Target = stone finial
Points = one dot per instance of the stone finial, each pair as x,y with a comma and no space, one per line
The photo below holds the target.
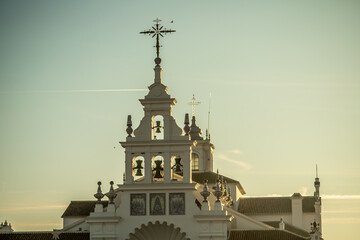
217,193
129,129
111,194
225,193
281,224
186,127
205,193
195,131
99,195
222,183
229,200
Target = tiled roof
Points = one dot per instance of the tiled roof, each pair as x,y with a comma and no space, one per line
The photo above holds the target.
290,228
81,208
264,235
44,236
273,205
211,177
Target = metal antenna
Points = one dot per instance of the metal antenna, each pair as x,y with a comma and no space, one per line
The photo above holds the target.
316,171
208,129
193,103
157,31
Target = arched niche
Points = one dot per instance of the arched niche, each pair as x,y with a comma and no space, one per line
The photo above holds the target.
195,161
157,165
157,127
177,168
138,166
158,231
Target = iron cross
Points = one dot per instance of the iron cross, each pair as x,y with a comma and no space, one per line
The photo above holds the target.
157,31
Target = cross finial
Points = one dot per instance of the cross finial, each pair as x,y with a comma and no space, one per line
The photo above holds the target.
157,31
157,20
193,103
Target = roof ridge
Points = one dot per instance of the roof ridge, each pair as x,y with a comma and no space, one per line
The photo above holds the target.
36,232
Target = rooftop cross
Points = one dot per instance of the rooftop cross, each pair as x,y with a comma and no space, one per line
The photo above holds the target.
193,103
157,31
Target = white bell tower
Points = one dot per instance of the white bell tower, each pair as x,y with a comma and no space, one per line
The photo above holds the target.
157,151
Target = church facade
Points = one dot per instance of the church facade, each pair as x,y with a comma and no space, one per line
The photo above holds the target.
170,190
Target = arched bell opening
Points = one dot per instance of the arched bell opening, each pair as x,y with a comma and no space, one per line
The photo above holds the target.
195,161
158,231
157,165
176,168
157,127
138,166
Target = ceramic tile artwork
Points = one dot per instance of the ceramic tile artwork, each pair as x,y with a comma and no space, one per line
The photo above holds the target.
157,203
177,203
138,204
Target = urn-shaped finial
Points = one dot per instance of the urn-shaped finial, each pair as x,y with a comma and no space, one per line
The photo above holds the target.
205,193
129,129
186,122
99,195
217,193
111,194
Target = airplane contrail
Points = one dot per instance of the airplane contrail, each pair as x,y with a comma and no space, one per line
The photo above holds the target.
80,91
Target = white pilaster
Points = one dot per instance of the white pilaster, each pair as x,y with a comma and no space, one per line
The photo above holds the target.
128,168
296,210
148,168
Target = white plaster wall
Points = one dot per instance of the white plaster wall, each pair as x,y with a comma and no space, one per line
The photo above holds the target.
84,227
69,220
187,223
307,219
244,224
297,212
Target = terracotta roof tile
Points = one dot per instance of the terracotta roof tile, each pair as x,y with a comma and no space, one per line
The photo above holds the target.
273,205
290,228
81,208
263,235
44,236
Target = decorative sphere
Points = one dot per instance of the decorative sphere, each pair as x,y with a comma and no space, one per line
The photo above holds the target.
157,60
99,183
111,182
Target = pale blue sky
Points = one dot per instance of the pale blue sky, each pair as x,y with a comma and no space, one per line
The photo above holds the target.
284,79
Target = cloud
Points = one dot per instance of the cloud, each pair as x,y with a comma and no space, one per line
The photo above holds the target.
303,191
236,151
38,224
340,220
341,211
268,195
244,165
325,196
46,207
277,83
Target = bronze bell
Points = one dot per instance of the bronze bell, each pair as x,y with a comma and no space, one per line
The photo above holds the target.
158,127
158,169
138,168
177,165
